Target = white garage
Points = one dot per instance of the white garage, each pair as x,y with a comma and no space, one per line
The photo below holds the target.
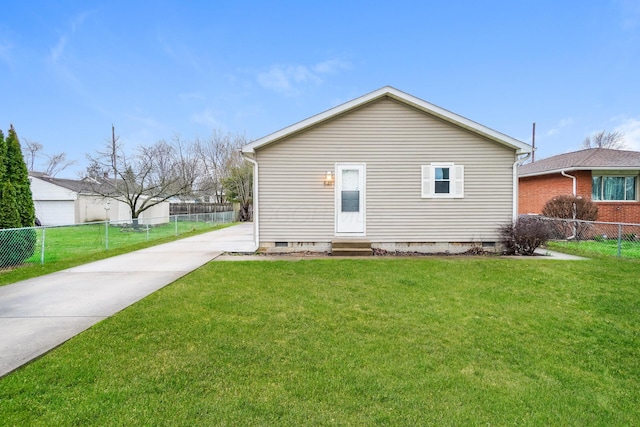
65,201
55,212
55,205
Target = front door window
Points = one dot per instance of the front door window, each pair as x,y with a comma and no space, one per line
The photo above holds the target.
349,195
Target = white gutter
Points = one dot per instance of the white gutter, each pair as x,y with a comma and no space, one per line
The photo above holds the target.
517,163
574,181
580,168
256,217
574,205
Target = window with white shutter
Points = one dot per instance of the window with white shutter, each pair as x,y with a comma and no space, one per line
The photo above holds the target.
443,180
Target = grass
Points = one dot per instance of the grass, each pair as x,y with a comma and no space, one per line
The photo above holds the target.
67,247
459,341
606,248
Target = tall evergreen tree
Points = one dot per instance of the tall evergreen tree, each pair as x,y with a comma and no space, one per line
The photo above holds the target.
9,215
16,204
16,244
17,174
5,205
3,154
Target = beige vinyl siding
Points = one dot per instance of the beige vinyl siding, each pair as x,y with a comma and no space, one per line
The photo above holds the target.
394,141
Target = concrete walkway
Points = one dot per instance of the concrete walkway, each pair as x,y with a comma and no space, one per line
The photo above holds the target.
547,254
39,314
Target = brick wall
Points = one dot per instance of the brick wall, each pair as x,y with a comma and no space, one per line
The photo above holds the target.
619,212
535,191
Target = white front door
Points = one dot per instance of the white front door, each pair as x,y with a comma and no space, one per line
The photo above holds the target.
350,198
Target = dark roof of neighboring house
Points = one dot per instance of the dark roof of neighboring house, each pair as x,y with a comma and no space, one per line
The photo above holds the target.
77,185
589,159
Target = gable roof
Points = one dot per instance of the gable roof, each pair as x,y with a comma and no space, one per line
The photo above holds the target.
591,158
76,185
390,92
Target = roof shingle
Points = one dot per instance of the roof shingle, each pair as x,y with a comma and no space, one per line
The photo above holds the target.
592,158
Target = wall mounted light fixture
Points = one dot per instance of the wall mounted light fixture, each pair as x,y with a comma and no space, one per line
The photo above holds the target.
329,179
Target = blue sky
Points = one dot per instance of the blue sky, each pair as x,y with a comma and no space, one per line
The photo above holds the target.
71,69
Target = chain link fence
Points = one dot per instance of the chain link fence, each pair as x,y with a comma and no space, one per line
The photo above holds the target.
41,245
603,238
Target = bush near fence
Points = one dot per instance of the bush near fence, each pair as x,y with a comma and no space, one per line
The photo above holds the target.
50,244
16,245
603,238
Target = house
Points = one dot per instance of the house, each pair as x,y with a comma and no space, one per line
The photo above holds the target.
388,169
66,201
607,177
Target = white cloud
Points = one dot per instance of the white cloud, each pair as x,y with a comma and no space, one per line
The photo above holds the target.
291,79
58,49
5,49
285,79
331,66
630,127
563,123
191,95
630,11
78,20
178,53
208,118
146,121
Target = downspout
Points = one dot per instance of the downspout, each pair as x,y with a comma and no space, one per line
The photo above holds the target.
256,217
574,179
517,163
574,182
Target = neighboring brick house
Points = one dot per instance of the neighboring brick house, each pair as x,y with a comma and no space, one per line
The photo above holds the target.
607,177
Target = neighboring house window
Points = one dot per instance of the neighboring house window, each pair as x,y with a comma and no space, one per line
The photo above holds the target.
617,188
443,180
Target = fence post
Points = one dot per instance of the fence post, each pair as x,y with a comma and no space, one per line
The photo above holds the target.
147,232
619,240
42,247
176,221
106,234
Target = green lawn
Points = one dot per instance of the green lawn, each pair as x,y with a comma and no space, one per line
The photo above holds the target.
66,242
599,248
428,341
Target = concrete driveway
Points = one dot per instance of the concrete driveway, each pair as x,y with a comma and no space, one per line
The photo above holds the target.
39,314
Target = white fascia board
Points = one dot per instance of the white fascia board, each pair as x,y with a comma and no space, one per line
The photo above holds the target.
519,146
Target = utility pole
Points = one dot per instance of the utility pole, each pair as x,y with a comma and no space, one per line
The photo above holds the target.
114,155
533,143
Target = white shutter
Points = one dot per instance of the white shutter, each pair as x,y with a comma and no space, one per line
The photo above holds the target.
458,182
427,186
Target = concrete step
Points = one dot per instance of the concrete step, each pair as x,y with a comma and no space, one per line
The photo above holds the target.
351,247
350,243
352,252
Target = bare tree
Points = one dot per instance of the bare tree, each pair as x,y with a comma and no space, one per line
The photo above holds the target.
54,164
31,150
57,163
604,139
217,155
238,186
144,178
